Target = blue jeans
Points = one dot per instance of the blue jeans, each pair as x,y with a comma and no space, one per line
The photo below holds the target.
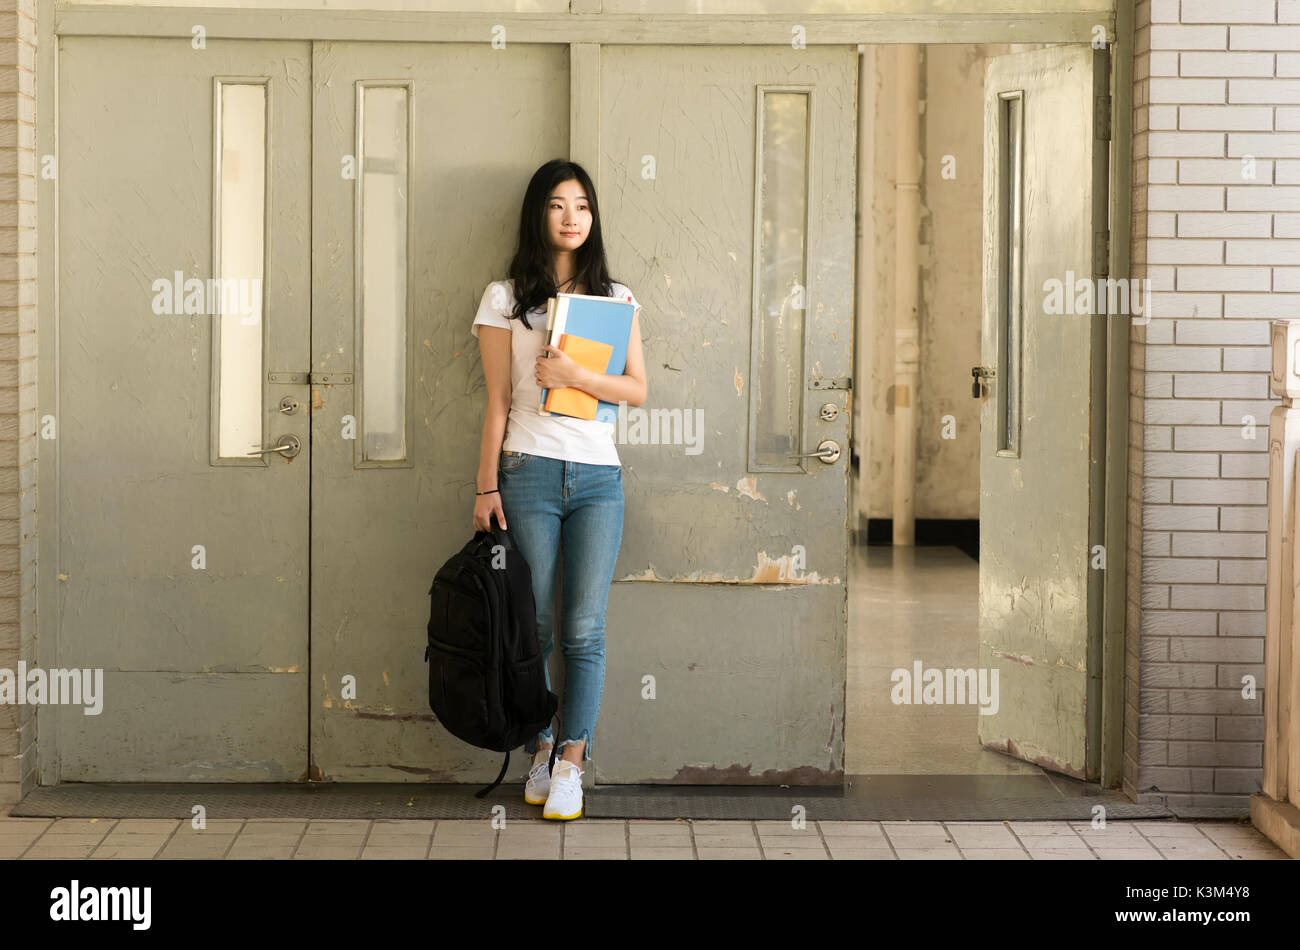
546,500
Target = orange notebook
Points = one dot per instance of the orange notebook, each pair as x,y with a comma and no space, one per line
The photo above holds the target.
590,354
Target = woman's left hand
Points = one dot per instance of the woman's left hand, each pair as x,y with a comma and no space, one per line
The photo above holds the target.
558,371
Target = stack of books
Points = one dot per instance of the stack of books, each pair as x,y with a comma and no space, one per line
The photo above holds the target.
594,333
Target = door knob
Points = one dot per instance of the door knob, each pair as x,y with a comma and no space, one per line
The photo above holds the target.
289,447
828,450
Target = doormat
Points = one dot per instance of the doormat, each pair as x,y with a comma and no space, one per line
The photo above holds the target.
915,798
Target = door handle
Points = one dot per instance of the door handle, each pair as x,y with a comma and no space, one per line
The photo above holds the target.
978,373
828,450
289,447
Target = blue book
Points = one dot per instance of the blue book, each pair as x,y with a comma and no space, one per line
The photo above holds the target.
604,319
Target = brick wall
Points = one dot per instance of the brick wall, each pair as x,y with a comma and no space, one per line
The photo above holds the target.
1213,80
17,383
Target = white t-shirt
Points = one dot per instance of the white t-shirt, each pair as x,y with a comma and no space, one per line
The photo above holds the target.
554,436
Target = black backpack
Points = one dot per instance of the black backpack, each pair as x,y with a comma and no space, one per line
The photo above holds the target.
486,683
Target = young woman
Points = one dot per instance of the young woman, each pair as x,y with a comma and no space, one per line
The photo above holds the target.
555,478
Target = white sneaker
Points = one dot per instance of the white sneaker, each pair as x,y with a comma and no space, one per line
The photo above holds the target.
538,785
565,798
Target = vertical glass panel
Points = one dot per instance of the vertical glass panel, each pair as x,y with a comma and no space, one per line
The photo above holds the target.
1007,381
236,294
383,219
782,257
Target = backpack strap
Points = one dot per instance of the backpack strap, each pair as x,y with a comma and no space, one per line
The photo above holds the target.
555,745
497,781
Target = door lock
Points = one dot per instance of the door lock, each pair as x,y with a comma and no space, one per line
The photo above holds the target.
288,405
979,373
289,447
828,450
829,411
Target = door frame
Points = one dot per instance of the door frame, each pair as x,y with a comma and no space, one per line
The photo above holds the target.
585,33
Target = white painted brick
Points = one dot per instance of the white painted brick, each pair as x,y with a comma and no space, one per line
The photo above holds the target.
1156,491
1162,171
1262,38
1286,119
1160,332
1264,198
1225,64
1159,278
1271,306
1180,623
1181,464
1159,385
1157,438
1189,37
1155,596
1163,224
1287,173
1263,252
1223,171
1164,119
1166,305
1184,358
1288,64
1227,118
1288,11
1242,624
1258,409
1192,224
1224,278
1179,518
1226,11
1188,90
1198,597
1155,544
1185,251
1251,571
1163,11
1268,145
1176,570
1243,333
1181,412
1227,438
1189,491
1185,198
1244,465
1186,145
1276,91
1246,359
1243,519
1286,225
1165,63
1286,280
1222,385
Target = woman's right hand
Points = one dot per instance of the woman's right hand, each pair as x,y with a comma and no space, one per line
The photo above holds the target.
484,507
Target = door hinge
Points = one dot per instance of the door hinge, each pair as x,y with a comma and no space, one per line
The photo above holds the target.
1101,119
1101,253
838,382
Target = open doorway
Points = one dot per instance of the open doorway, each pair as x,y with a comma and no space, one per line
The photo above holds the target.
980,417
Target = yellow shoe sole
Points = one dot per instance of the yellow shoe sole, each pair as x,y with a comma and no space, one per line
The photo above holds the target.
577,814
534,801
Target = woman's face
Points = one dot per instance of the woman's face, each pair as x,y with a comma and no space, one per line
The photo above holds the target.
568,216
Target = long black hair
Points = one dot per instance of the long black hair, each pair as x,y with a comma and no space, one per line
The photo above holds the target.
531,269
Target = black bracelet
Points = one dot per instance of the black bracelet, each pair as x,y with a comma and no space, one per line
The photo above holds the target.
488,492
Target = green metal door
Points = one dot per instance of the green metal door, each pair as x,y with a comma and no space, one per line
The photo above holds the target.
182,560
1042,422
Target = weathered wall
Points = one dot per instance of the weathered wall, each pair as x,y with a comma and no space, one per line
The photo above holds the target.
17,383
1216,83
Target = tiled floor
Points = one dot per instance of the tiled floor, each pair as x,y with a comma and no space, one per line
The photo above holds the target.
620,839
